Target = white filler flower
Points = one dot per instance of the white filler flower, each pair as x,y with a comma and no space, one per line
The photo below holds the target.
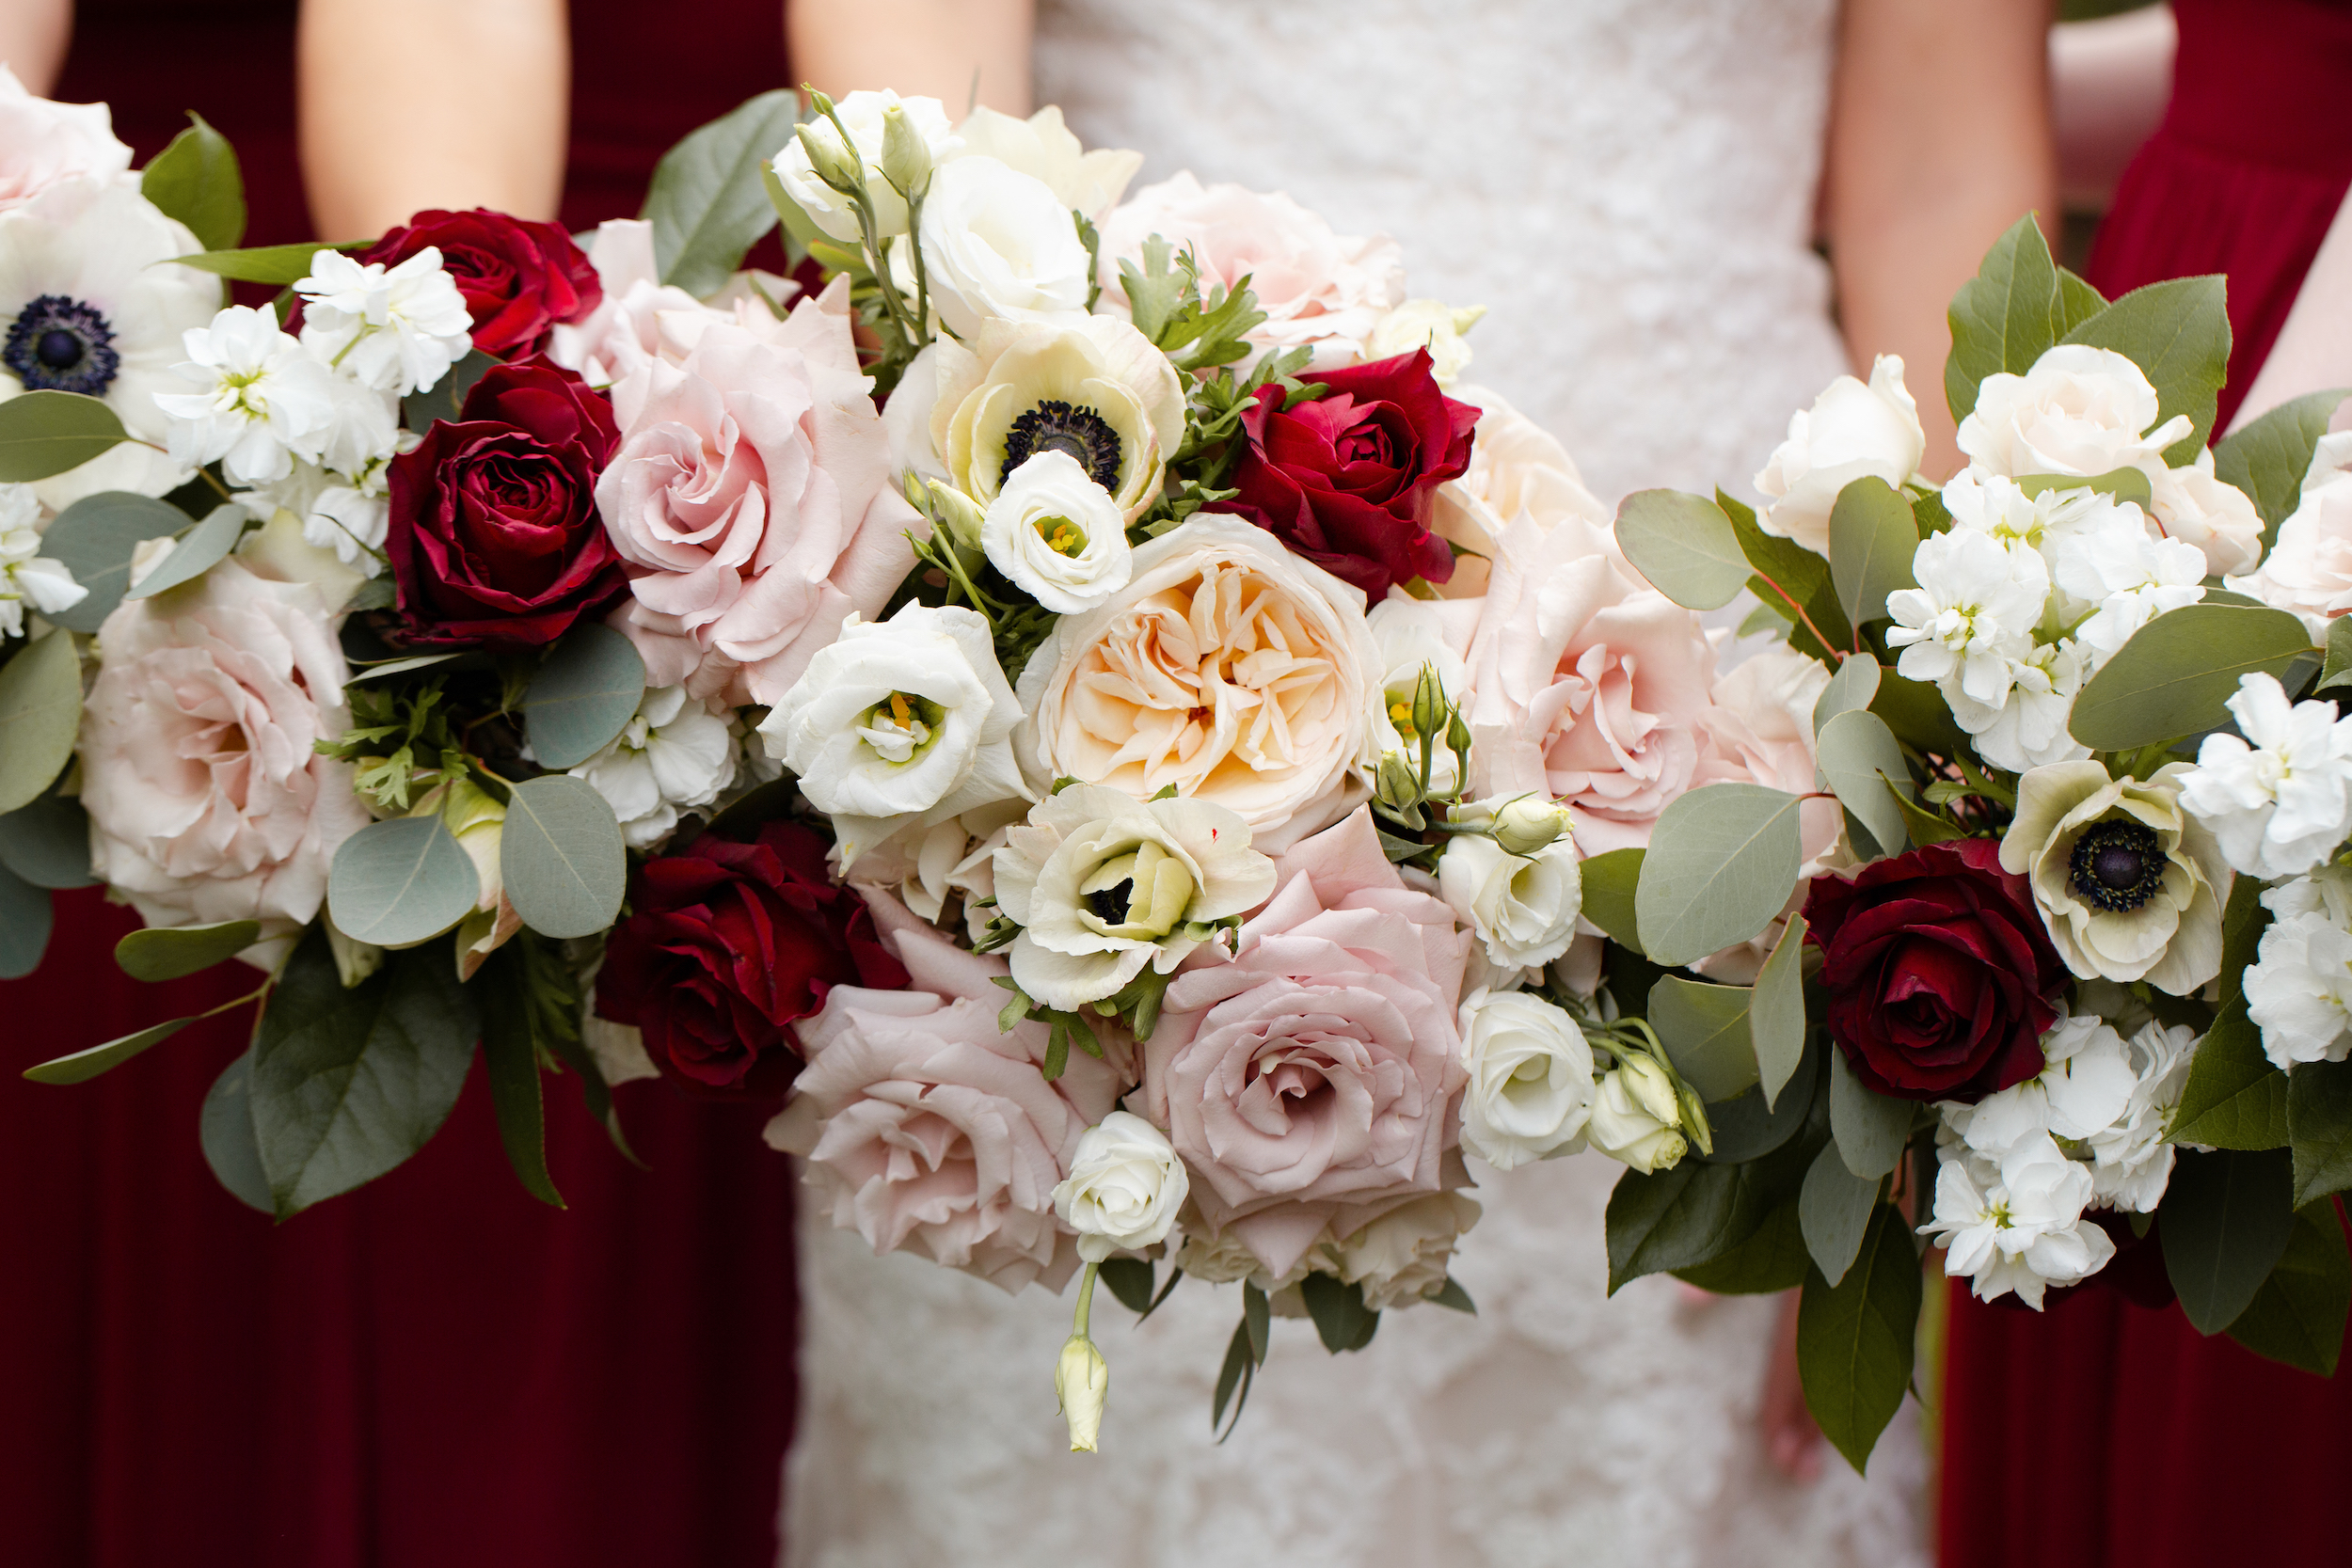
393,330
2279,799
2300,989
1057,535
26,573
675,752
1123,1189
263,400
1530,1079
2017,1226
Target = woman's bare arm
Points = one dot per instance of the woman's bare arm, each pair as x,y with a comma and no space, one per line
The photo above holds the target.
2109,82
431,103
1940,139
2315,347
33,38
960,51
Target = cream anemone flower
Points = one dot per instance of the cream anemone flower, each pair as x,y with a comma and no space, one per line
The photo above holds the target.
1093,388
2129,884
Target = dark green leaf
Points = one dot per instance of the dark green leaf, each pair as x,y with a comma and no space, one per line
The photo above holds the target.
1871,1127
1721,863
2178,332
1835,1211
2174,674
2226,1217
1919,717
83,1066
1684,1216
1233,1375
2319,1129
1854,1338
1342,1319
1257,1317
229,1146
511,1058
276,264
1704,1028
1746,1128
708,203
446,398
2004,317
2268,457
1130,1281
95,538
1451,1295
583,696
1872,538
400,882
349,1082
562,856
1684,545
47,433
2233,1099
196,181
167,952
26,920
1787,576
2298,1315
1768,1262
47,843
2336,670
1610,879
41,708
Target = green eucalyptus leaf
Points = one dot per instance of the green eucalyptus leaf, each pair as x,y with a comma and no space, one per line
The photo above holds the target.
1854,686
1610,879
1855,1339
83,1066
2297,1317
1872,538
1705,1030
278,265
708,203
47,433
583,697
2178,333
1721,863
196,554
1788,576
41,708
47,843
196,179
400,882
1870,1129
2004,317
2319,1129
1835,1212
2173,677
1859,757
2268,458
561,857
158,953
227,1130
26,918
2227,1219
95,538
1777,1012
1685,546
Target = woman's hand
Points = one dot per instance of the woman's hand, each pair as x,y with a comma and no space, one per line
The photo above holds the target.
960,51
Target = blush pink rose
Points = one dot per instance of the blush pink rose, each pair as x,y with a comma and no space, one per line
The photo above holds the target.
640,318
1320,290
933,1132
42,143
751,497
205,798
1311,1080
1588,684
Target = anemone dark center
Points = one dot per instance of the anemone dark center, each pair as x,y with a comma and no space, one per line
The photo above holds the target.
1109,904
57,344
2117,866
1077,432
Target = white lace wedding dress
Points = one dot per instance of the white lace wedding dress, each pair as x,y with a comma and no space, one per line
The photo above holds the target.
1630,186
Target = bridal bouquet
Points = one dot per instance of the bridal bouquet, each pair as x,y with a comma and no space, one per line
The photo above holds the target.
2048,962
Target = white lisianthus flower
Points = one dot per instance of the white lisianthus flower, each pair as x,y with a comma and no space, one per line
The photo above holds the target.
1635,1119
1850,432
674,752
2016,1226
2132,578
1402,1258
999,245
1522,907
2080,410
263,400
2309,569
1124,1187
1530,1079
833,214
1430,324
2027,729
2194,506
2298,992
1972,616
394,329
2277,795
1044,148
1056,535
26,573
1103,884
2131,1158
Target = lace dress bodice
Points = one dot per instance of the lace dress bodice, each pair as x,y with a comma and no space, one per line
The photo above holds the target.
1629,186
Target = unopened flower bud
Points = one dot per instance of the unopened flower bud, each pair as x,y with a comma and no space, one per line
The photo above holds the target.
906,162
1529,823
1635,1118
1428,703
1397,786
961,515
1082,1380
832,163
1457,735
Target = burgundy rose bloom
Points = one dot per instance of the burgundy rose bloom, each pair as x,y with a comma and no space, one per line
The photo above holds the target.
1347,480
725,945
518,278
1939,971
494,538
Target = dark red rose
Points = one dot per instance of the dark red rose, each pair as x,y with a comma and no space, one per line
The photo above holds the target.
518,278
725,946
1347,480
494,538
1939,971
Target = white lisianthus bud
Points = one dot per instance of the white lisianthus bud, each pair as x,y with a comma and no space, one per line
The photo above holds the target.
1635,1119
1530,1079
479,823
1529,823
906,157
827,158
958,512
1082,1381
1057,535
1123,1189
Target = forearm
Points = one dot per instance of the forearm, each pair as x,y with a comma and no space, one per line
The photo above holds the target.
960,51
2109,82
431,103
33,38
2315,347
1940,140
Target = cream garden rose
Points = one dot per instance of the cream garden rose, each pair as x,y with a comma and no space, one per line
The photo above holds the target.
1853,431
2310,570
999,245
2080,410
1402,1257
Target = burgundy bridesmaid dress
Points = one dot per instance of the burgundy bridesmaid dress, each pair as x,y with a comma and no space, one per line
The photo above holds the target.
436,1369
2105,1434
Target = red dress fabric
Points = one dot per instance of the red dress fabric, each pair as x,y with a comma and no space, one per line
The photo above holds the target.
434,1370
2102,1434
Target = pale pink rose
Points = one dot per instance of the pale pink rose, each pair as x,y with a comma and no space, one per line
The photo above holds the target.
2309,569
1761,723
929,1130
205,798
1588,685
642,317
1311,1080
1517,469
751,496
1320,290
42,143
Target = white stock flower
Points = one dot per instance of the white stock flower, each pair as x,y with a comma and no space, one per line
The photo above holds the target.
2132,578
674,752
1103,884
2131,1161
1124,1187
26,573
1522,907
1056,535
1044,148
898,723
2277,795
1635,1119
999,245
2080,410
2298,992
1430,324
1530,1079
395,329
831,212
2019,1226
264,400
1853,431
2028,728
1972,615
